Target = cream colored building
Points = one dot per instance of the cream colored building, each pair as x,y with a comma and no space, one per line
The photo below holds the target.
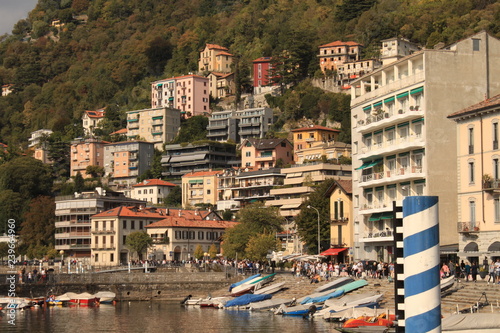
177,236
478,180
403,145
158,125
199,188
91,120
215,58
316,151
152,190
396,48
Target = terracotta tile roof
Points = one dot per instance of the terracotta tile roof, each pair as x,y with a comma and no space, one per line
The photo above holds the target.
120,131
265,143
263,59
486,104
3,145
96,114
153,213
184,222
346,185
340,43
216,47
154,182
224,53
190,75
315,127
202,173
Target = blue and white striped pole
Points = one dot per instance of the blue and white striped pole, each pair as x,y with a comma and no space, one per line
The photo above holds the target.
421,264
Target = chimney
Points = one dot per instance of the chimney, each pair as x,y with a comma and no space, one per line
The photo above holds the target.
180,212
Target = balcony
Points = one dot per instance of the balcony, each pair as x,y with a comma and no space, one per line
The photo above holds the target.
382,118
378,236
468,227
394,146
103,232
398,174
491,185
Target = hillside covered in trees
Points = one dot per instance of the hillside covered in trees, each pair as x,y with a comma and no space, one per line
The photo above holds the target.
105,53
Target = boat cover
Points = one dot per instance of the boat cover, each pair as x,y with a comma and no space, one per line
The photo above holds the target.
334,284
247,299
470,321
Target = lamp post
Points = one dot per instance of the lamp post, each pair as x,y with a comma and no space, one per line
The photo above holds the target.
205,255
62,260
317,211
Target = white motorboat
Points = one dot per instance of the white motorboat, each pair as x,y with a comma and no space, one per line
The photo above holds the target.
334,284
105,297
271,289
269,304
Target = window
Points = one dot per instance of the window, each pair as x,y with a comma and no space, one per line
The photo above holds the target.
496,204
495,169
141,224
299,136
476,43
405,190
472,210
471,140
132,224
495,135
471,172
208,191
124,224
151,191
419,189
112,257
124,240
200,235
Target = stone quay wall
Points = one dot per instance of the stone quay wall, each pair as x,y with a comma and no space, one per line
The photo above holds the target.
127,286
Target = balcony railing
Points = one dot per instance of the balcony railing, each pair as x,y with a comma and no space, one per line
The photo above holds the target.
377,234
468,227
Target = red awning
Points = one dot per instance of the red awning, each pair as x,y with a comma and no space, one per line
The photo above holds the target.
333,252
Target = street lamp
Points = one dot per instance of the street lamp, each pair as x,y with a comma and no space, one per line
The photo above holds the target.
317,211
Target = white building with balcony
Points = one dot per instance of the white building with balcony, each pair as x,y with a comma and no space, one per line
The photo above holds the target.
403,145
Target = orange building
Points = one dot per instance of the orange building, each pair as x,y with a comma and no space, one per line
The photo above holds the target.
304,137
85,153
264,153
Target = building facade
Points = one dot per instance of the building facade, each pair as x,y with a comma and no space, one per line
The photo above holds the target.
396,48
84,153
333,54
402,143
179,160
199,188
73,213
261,76
152,190
91,120
215,58
221,84
331,151
478,180
305,137
37,143
125,161
266,153
158,125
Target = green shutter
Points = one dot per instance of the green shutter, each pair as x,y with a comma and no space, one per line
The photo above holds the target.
377,132
392,186
404,183
379,188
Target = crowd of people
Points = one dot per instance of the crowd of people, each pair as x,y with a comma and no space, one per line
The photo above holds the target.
468,271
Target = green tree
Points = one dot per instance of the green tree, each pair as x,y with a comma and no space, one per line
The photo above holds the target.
198,252
139,242
94,171
37,228
11,207
307,220
192,129
27,176
227,215
254,219
259,246
79,182
174,198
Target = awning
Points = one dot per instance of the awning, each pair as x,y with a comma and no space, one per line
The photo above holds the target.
333,252
377,104
388,100
416,90
369,164
386,216
402,95
366,108
291,206
375,217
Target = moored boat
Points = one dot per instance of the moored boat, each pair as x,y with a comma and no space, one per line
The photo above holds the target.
58,300
334,284
105,297
248,279
83,299
382,319
271,289
246,299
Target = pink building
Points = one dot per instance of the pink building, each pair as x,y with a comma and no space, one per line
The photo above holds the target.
265,153
85,153
192,95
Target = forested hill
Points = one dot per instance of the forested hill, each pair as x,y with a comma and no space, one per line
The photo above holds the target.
105,53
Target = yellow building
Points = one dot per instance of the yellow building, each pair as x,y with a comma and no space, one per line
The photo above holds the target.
199,188
342,223
215,58
478,156
305,137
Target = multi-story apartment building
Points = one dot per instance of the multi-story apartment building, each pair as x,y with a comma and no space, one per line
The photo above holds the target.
341,217
180,159
478,180
349,71
265,153
226,182
215,58
36,142
396,48
329,151
199,188
163,93
125,161
336,53
261,76
84,153
91,120
402,143
73,212
221,84
305,137
299,181
252,186
158,125
237,125
152,190
177,236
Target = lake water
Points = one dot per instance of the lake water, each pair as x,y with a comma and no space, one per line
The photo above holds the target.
152,317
